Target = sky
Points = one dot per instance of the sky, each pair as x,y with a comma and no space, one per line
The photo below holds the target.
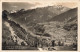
30,5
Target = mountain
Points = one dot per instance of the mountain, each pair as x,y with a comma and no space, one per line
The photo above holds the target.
14,35
63,16
41,19
41,25
37,15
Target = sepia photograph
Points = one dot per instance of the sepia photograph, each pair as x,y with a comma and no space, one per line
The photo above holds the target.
50,26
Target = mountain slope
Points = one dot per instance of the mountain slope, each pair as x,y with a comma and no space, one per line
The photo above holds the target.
69,14
37,15
44,25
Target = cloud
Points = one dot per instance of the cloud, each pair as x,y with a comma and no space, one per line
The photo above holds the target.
68,4
16,5
30,5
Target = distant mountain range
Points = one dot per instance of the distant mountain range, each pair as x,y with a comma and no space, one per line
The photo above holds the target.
38,15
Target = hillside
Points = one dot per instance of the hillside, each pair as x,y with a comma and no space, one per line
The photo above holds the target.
69,14
37,15
57,25
39,27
